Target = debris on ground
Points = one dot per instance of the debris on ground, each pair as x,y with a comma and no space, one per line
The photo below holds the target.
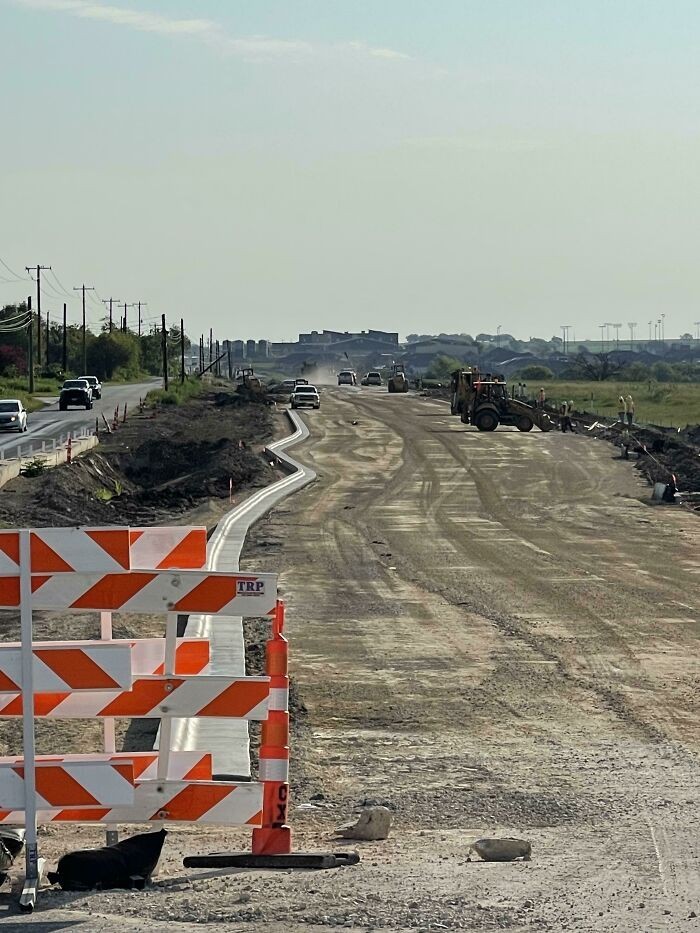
372,823
127,864
502,850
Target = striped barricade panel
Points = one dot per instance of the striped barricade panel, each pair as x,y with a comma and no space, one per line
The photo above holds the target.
204,695
168,548
68,666
211,802
186,591
66,550
192,656
69,784
182,766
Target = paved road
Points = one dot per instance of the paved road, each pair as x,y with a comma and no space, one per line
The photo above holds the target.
51,424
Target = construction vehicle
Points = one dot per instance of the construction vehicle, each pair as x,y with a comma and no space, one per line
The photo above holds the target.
482,399
247,381
397,381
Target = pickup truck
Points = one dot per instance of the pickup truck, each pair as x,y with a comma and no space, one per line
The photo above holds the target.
76,392
94,384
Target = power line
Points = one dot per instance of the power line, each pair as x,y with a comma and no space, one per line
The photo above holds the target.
11,271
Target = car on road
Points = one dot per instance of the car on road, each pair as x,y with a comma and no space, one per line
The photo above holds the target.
76,392
95,385
372,379
305,397
13,415
347,378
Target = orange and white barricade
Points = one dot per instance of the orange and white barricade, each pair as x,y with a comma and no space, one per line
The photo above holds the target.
131,570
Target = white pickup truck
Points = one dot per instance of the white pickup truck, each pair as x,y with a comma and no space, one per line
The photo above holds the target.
305,397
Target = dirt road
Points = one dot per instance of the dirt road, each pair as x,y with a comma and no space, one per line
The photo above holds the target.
497,634
493,634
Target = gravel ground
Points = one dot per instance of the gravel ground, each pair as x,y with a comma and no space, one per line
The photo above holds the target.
491,635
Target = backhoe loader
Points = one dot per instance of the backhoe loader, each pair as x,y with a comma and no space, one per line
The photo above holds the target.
482,399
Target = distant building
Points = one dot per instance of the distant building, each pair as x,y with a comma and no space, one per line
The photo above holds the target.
251,349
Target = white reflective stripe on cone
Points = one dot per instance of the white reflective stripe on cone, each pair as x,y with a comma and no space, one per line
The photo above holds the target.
279,699
274,769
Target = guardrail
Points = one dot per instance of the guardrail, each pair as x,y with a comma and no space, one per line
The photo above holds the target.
53,453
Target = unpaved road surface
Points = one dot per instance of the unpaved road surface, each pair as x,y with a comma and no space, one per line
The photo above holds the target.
493,634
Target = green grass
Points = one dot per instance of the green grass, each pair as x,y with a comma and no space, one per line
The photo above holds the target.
177,393
663,403
17,388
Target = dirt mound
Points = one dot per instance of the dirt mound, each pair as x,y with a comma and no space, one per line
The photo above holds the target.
152,468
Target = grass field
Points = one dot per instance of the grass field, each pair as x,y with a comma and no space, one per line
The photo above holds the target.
17,388
663,403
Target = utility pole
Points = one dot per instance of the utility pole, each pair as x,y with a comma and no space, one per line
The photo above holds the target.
65,338
47,339
132,305
218,365
164,341
108,301
201,352
139,303
230,361
38,269
30,346
631,325
211,345
84,288
182,351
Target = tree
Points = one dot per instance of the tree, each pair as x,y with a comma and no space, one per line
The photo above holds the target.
637,372
442,367
662,372
112,351
536,373
596,366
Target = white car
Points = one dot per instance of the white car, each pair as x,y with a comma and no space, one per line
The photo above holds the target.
305,397
13,415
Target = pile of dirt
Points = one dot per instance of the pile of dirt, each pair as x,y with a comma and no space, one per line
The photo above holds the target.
156,466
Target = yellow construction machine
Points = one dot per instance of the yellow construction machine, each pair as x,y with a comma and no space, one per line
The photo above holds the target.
482,399
397,381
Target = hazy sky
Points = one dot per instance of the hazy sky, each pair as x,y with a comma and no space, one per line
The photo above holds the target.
414,165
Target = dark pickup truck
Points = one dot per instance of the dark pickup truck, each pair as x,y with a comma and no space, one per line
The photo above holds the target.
76,392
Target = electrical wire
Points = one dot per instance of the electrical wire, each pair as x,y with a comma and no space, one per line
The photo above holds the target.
19,278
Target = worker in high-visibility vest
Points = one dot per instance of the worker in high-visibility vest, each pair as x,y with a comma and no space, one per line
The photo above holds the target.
621,409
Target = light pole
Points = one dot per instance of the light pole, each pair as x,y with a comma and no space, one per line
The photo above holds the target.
616,328
631,325
602,337
697,330
565,335
649,331
663,329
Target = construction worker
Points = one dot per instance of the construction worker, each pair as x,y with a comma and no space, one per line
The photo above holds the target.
621,409
625,442
564,417
541,397
630,410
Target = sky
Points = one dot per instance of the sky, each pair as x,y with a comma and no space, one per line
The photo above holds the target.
275,166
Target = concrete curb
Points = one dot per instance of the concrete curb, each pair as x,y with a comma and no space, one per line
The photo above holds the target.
9,469
227,739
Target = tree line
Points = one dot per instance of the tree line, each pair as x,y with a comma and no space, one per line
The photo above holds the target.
110,354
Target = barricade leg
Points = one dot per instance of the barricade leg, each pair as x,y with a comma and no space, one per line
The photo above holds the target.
272,842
